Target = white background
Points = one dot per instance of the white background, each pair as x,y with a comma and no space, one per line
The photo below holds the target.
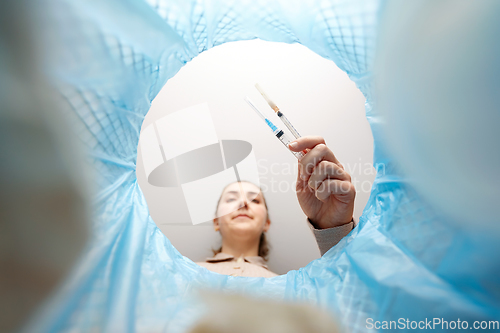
316,96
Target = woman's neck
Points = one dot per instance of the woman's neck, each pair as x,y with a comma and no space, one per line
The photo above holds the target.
237,249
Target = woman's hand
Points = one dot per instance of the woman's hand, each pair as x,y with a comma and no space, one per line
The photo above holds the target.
324,188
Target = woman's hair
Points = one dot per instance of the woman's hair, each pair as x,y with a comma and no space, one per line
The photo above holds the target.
263,244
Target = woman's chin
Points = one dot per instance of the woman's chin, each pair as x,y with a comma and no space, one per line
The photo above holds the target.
244,226
242,221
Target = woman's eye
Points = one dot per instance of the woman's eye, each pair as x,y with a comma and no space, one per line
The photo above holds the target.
229,200
256,200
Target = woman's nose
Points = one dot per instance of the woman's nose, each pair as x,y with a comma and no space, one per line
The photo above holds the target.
243,203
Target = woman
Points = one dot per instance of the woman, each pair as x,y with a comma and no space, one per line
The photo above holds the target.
325,194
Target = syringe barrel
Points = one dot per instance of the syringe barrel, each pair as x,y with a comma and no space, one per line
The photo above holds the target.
284,139
289,125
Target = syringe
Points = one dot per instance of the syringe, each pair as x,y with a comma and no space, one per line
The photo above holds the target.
280,114
276,131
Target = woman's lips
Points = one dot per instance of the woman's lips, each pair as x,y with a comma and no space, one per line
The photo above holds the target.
242,215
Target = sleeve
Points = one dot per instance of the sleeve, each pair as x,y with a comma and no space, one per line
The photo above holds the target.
328,238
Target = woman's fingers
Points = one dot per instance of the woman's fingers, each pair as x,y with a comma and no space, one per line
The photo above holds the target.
321,169
306,142
317,154
327,170
343,190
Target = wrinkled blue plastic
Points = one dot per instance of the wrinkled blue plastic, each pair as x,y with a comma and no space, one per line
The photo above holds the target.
402,261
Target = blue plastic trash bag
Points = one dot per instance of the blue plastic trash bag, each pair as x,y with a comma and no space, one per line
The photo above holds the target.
109,59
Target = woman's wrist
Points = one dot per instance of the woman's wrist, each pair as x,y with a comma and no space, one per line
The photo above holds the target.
326,225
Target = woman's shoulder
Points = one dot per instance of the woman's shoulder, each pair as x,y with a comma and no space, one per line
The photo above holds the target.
203,264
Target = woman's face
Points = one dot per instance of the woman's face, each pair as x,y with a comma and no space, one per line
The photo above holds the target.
242,211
